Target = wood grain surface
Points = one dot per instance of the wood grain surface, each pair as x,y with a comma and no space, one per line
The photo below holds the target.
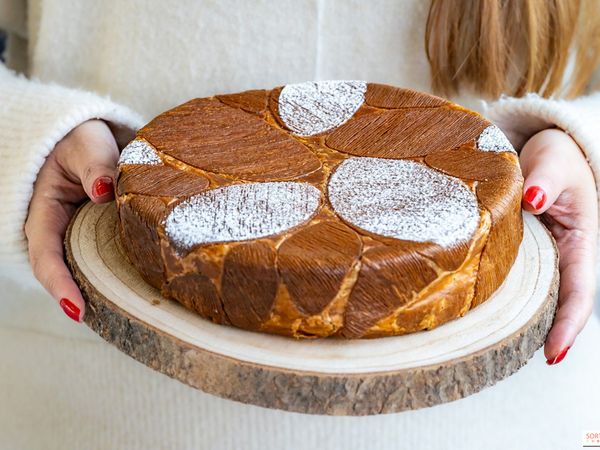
323,376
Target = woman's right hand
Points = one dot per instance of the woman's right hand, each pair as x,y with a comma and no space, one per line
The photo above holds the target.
81,165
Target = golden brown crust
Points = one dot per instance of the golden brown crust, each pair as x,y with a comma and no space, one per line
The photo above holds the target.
323,253
468,163
326,277
215,137
249,283
391,97
405,133
502,198
388,278
138,219
159,181
254,101
197,292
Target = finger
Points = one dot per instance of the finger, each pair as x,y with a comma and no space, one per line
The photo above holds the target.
544,179
576,296
90,155
95,168
45,227
57,280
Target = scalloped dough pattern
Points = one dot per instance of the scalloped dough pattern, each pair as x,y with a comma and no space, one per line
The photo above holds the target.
288,234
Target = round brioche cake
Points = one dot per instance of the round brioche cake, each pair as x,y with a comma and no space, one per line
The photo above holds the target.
329,208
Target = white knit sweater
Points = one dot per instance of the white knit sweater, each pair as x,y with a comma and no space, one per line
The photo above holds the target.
126,61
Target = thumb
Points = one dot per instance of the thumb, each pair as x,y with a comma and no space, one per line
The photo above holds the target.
90,154
539,193
545,176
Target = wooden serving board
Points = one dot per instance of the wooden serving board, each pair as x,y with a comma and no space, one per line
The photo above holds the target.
322,376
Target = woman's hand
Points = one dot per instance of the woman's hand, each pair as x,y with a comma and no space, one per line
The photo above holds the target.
81,165
560,185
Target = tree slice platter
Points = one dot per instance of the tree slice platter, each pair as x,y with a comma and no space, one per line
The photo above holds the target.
320,376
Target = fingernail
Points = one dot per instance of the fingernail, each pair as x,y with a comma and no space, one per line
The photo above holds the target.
102,185
70,309
558,358
535,196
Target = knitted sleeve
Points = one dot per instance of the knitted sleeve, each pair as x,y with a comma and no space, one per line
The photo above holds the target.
520,118
34,117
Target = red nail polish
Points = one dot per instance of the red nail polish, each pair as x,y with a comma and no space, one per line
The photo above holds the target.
558,358
103,185
70,309
535,196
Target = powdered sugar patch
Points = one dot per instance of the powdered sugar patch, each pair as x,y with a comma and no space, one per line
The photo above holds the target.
240,212
404,200
314,107
492,139
139,151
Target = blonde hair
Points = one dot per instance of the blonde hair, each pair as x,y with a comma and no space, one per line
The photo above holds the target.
512,46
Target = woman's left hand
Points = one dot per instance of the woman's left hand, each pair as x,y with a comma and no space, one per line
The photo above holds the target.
560,185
